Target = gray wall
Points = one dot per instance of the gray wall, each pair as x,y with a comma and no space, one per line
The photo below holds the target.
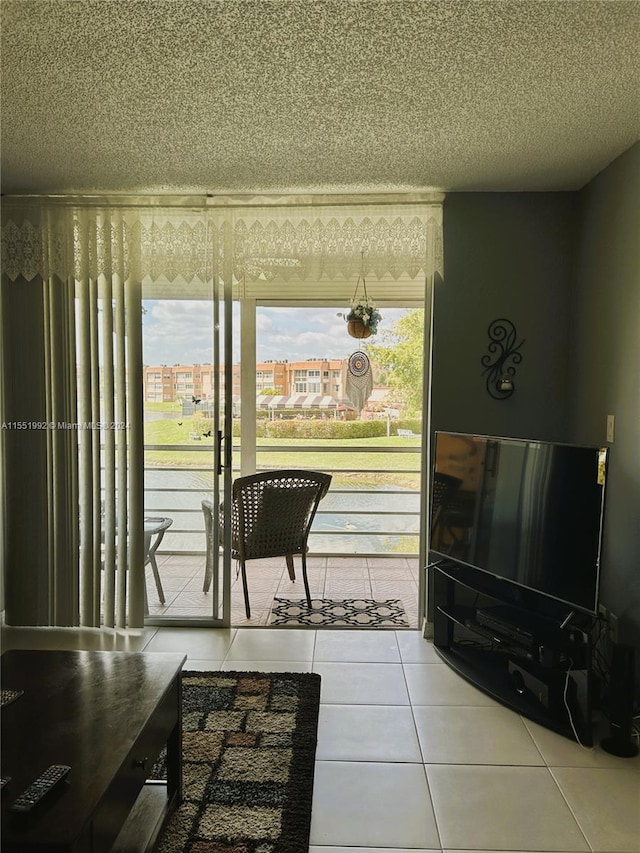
565,269
506,255
605,370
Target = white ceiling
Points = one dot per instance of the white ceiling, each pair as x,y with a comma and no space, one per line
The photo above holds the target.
320,95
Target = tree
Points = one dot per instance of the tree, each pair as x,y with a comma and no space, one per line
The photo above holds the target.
401,353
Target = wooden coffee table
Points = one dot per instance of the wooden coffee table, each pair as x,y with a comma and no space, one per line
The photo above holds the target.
107,715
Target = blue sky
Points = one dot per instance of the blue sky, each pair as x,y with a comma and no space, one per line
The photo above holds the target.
180,332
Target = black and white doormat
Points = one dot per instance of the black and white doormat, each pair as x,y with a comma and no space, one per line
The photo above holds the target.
343,612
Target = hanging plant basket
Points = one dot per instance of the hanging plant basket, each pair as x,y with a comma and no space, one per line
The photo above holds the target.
363,318
357,329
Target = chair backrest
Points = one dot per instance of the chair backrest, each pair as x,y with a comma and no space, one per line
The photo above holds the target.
444,488
273,511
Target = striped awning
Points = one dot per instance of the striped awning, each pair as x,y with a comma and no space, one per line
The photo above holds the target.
300,401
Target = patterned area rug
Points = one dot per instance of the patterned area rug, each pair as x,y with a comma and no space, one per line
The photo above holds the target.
249,743
345,612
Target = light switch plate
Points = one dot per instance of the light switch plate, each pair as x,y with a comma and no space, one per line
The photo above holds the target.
610,427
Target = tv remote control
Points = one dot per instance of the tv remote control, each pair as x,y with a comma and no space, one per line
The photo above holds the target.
41,786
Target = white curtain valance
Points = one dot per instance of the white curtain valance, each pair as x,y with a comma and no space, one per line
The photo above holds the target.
170,244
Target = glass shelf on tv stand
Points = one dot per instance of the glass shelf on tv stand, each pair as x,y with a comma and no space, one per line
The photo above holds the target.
487,658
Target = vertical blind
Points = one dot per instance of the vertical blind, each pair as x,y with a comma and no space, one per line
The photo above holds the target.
89,263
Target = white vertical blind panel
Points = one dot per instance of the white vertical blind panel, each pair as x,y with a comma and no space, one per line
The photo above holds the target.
120,500
135,429
85,486
94,442
109,455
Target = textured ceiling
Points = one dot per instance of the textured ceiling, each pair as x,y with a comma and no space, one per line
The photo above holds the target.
320,95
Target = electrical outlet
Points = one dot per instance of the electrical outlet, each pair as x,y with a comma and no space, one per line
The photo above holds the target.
610,427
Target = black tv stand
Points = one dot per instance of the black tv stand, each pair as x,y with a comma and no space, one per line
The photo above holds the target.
526,653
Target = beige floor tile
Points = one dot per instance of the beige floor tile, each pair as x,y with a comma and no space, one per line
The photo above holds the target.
559,751
362,684
357,646
367,733
351,572
197,643
290,644
195,585
175,581
263,583
314,849
342,562
193,597
266,666
347,588
290,589
606,804
387,562
437,684
197,610
394,589
390,574
474,735
175,563
203,665
502,808
372,804
316,563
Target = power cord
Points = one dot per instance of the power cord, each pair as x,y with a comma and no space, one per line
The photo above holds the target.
566,705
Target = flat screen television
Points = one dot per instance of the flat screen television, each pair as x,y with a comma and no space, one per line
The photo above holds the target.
528,512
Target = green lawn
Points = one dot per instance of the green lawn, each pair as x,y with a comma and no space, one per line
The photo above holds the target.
163,407
199,454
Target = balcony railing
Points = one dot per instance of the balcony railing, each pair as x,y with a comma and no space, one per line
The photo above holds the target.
371,509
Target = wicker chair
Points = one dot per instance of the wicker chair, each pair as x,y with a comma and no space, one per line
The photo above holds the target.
444,488
272,513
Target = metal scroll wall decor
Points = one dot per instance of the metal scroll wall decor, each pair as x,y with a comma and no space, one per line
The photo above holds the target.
499,363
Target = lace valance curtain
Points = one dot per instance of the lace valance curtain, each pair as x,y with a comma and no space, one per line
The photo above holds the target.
173,244
63,240
328,243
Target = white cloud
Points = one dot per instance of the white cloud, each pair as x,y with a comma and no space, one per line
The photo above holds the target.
181,332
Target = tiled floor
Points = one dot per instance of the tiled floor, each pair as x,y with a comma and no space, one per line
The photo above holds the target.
410,757
329,577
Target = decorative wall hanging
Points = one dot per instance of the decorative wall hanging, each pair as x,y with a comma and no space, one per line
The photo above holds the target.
502,350
358,380
363,318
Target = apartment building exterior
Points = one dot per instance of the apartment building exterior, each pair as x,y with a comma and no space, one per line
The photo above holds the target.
171,383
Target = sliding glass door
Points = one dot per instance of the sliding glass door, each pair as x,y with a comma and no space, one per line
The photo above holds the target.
188,407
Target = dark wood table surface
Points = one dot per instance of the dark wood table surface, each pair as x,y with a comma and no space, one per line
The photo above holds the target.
107,715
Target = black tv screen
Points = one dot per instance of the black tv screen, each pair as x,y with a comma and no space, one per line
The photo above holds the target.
529,512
